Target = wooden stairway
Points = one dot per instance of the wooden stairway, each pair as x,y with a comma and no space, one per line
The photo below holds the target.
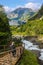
6,58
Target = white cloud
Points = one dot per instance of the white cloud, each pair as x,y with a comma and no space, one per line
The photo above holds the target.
33,6
8,9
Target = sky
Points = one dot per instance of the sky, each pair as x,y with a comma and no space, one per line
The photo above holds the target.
10,5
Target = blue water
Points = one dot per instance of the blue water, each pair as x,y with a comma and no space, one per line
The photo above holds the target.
30,46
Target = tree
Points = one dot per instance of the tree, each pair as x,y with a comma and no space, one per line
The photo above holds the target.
5,34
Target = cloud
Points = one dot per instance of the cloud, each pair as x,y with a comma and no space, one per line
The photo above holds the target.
33,6
8,9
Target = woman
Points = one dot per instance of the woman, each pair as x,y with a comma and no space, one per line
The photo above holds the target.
13,49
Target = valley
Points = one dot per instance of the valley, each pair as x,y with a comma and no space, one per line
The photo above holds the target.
23,27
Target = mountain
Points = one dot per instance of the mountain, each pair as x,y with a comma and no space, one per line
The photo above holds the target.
33,27
38,15
22,11
21,14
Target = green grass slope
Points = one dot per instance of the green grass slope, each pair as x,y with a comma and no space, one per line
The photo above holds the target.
28,58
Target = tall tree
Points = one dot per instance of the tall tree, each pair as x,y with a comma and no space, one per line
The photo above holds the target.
5,34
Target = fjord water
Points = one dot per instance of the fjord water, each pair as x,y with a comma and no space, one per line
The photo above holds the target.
30,46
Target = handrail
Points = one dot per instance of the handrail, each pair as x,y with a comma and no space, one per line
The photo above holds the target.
9,57
7,51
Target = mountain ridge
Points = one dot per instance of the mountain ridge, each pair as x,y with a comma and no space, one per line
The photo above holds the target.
38,15
19,12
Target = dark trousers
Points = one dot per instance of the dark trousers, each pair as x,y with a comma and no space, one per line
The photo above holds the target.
14,52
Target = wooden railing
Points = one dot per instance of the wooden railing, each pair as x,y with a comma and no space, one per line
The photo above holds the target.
3,47
6,58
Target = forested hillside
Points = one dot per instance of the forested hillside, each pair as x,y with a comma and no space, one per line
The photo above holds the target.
5,34
38,15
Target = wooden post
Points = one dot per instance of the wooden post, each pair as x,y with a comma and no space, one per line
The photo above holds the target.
23,48
4,47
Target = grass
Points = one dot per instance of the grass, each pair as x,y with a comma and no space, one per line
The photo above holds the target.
28,58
